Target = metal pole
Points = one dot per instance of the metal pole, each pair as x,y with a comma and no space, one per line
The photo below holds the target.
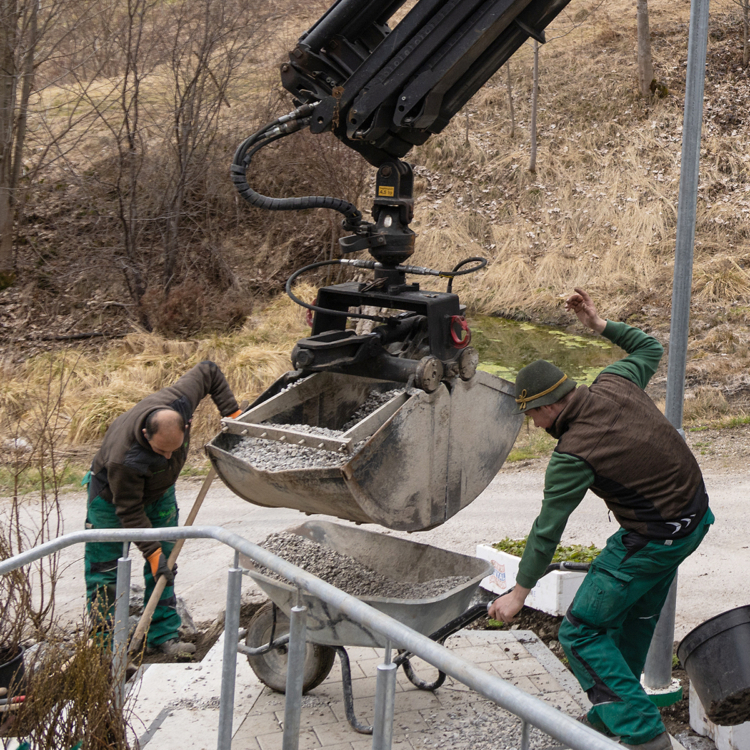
525,731
385,698
122,611
659,660
295,674
229,663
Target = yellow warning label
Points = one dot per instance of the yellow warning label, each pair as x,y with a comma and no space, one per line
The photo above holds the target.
385,191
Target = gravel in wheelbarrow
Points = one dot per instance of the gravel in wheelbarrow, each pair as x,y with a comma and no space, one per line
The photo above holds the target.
348,574
417,584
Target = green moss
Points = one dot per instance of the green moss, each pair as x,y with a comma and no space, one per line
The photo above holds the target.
31,479
574,553
505,346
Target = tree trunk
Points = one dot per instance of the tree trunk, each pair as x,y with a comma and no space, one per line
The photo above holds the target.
510,102
745,32
8,39
534,97
23,112
645,62
23,104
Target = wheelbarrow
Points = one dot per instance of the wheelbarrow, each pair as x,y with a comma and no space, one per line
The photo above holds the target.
330,632
410,465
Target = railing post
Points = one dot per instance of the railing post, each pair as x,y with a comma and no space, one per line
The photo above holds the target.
525,729
385,698
229,663
295,674
122,613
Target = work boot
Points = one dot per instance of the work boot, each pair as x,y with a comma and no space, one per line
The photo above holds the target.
584,719
660,742
176,647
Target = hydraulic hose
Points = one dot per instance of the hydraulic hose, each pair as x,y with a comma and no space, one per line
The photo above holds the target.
325,310
374,265
273,131
481,263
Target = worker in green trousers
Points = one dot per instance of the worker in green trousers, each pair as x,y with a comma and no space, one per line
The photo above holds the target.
131,486
613,441
100,561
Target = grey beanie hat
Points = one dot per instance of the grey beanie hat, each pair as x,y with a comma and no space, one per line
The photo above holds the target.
540,384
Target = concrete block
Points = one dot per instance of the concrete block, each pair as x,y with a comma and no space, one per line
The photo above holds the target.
521,668
307,741
309,717
545,683
409,721
189,692
552,594
336,734
256,724
415,700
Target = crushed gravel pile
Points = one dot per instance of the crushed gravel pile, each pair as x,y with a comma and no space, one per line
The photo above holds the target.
348,574
272,455
374,401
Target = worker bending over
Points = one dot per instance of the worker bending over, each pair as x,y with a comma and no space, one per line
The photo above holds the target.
131,485
614,441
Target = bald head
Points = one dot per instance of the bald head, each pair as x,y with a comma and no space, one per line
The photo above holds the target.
164,430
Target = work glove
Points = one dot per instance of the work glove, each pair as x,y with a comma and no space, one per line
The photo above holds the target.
159,567
234,414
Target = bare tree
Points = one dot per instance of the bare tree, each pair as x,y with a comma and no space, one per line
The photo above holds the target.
510,102
645,61
534,98
745,9
208,42
18,28
31,34
190,52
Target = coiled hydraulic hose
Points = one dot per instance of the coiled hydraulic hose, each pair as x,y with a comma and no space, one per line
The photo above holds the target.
273,131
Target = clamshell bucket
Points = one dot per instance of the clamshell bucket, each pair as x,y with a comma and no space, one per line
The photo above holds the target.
410,464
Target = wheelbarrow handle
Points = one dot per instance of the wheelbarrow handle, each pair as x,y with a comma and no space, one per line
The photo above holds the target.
570,566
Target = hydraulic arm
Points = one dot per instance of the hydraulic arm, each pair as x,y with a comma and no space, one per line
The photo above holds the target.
382,89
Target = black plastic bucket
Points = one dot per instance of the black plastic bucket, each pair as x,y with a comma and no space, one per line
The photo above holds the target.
12,672
716,656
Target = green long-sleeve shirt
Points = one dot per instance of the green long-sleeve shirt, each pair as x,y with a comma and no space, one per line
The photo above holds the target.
568,477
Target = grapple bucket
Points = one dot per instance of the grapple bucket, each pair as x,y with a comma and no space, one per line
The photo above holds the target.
410,465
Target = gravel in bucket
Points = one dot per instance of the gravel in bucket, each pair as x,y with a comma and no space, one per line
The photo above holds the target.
348,574
272,455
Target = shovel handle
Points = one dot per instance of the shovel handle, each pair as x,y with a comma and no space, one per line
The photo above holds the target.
161,583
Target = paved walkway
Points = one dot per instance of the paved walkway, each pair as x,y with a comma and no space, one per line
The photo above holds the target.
177,705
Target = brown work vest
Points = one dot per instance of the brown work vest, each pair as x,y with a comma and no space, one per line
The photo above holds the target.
643,469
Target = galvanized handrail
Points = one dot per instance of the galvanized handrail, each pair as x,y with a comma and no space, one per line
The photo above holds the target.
529,709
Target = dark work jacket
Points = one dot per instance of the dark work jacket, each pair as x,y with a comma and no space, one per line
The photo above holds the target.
125,470
643,469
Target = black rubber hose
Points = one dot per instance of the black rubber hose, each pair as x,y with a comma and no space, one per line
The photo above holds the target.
325,310
481,263
241,162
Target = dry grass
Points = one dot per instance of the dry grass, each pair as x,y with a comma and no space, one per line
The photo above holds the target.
101,387
600,211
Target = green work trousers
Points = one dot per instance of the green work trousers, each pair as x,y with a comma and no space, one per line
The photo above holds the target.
607,630
101,567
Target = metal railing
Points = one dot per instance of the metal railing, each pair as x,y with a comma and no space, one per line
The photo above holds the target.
532,711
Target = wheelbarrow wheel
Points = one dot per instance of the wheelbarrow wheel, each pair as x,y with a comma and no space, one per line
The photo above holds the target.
270,668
